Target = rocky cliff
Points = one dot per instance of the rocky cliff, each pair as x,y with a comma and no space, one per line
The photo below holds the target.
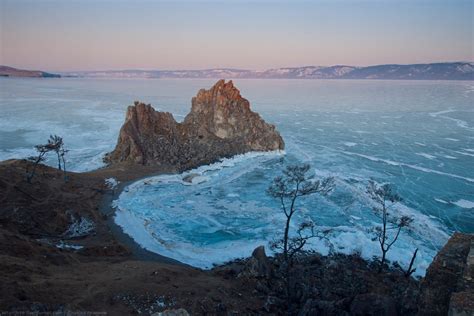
448,287
220,124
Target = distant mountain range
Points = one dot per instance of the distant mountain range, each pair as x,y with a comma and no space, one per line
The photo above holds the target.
6,71
434,71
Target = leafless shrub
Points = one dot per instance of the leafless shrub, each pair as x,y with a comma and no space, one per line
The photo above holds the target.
392,224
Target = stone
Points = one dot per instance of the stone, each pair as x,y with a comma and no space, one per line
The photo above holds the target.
373,304
461,304
219,125
462,301
448,284
189,178
258,265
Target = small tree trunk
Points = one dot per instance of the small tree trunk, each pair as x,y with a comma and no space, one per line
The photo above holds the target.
384,236
32,174
285,238
64,168
410,267
382,262
59,161
287,261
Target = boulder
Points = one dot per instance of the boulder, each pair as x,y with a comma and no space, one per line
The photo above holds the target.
448,286
462,304
462,301
220,124
372,304
258,265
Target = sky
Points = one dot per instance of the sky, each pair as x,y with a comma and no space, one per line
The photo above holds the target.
72,35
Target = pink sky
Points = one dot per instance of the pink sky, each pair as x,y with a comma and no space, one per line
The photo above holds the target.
95,35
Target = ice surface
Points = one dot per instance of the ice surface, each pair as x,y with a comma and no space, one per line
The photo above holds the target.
416,167
203,224
427,156
464,203
350,144
419,136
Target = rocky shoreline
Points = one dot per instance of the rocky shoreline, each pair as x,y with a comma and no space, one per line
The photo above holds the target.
108,211
60,250
108,274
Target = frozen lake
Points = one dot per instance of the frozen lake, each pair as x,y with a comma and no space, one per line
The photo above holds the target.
417,135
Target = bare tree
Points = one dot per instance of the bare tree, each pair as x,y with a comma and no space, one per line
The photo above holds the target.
56,144
410,270
306,231
42,151
296,183
386,234
63,153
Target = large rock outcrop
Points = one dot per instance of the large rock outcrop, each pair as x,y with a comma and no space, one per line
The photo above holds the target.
219,125
448,287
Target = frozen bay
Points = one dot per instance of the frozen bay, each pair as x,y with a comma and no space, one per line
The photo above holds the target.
418,135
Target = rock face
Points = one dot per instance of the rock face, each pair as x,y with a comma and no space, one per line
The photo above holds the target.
258,265
448,287
219,125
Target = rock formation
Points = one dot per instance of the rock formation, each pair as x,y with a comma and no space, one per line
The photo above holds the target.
448,287
258,265
219,125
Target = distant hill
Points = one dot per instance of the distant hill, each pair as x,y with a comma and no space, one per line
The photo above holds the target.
6,71
438,71
434,71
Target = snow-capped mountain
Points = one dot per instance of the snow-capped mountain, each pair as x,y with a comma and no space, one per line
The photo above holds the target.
434,71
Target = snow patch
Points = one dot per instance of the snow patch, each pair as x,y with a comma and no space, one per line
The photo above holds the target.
350,144
427,156
63,245
464,204
111,183
79,228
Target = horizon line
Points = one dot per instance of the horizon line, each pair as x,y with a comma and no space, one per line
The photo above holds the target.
236,68
254,69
